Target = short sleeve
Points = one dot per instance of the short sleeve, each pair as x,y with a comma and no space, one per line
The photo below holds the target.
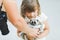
43,17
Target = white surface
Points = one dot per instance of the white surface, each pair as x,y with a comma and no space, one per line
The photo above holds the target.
52,10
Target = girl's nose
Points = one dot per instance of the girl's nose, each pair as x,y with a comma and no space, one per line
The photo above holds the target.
33,15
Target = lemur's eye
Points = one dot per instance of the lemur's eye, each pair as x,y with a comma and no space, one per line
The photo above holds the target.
34,22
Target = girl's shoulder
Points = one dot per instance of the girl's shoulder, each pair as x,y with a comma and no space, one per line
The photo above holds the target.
42,14
43,17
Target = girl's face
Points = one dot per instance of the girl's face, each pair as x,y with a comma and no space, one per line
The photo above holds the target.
32,14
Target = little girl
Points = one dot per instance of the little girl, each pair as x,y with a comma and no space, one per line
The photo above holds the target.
31,9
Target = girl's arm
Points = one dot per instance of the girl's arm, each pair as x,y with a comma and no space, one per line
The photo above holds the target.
46,30
16,19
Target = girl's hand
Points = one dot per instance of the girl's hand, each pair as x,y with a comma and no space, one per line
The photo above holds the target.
43,34
33,33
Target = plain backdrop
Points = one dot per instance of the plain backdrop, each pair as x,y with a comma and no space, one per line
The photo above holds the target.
52,9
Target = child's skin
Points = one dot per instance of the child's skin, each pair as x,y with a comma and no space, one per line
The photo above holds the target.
46,29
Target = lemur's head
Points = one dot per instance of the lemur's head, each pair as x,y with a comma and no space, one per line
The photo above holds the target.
35,22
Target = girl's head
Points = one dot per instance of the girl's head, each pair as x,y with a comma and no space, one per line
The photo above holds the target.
30,8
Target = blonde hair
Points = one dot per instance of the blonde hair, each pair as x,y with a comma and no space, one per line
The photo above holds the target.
29,6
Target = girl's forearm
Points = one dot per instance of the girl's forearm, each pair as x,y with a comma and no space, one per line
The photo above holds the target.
21,25
46,30
44,34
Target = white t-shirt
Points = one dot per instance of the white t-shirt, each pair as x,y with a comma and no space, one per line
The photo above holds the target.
43,17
